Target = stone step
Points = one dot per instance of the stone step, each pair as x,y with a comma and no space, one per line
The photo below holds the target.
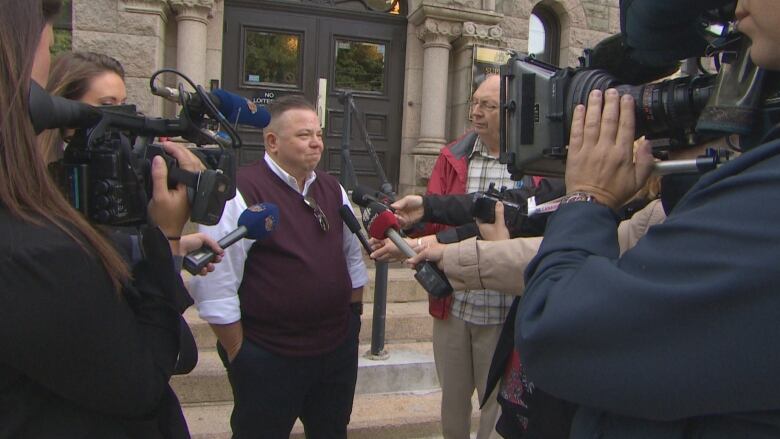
404,322
411,415
409,367
401,285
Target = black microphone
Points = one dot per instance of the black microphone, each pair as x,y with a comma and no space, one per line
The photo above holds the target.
256,222
235,108
354,226
48,112
362,195
381,223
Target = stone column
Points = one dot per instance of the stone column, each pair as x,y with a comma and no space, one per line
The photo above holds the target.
192,18
436,35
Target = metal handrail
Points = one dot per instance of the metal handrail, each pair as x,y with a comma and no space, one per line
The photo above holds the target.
348,179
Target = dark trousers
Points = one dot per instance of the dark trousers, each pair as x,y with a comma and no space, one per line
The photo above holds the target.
270,391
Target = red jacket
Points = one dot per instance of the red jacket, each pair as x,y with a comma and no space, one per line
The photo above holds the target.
449,174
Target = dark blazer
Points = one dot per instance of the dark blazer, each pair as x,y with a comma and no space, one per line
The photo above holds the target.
78,359
675,338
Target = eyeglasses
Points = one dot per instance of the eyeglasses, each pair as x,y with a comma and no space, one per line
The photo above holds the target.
484,105
318,213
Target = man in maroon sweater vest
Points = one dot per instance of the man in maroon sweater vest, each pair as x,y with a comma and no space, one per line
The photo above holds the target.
286,310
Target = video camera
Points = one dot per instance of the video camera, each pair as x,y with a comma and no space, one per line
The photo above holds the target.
105,171
538,99
484,207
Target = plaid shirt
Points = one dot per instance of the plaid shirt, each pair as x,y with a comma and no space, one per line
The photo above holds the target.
483,307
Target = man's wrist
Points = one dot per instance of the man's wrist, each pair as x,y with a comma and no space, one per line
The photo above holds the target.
586,196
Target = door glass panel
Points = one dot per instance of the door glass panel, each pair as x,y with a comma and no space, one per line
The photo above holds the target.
272,58
360,66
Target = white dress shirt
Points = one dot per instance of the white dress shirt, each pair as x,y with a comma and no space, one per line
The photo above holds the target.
216,295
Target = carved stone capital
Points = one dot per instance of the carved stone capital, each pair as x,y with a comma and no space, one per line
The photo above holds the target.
197,10
483,33
160,8
439,32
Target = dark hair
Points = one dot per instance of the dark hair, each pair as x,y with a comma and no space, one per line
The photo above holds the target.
71,77
26,188
72,72
289,102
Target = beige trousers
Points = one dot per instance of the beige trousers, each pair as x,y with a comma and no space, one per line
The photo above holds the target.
462,352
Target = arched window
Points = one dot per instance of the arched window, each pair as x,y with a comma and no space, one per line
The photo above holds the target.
544,35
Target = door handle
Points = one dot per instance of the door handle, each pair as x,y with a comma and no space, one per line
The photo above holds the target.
322,96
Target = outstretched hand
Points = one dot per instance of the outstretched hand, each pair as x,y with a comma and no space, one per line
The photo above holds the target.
408,210
601,157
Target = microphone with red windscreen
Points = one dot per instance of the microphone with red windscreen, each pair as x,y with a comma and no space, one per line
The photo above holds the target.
381,223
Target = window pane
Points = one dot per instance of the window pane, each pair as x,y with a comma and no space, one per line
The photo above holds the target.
536,37
271,57
360,66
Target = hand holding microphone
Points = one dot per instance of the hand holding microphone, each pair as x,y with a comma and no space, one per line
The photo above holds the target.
256,222
381,223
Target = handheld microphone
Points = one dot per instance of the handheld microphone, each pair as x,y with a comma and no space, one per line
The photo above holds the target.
256,222
381,223
354,226
235,108
362,195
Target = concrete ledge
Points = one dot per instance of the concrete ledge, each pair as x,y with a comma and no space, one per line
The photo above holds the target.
413,415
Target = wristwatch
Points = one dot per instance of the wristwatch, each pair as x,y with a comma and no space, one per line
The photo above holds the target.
577,196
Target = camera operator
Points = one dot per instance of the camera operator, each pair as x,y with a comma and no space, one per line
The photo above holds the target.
669,339
90,342
88,77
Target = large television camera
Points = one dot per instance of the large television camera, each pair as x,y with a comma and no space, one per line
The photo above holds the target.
105,170
538,99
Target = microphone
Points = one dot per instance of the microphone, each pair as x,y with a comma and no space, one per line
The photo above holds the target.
235,108
354,226
256,222
381,223
362,195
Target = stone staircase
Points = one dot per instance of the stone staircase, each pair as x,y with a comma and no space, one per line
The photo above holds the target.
395,398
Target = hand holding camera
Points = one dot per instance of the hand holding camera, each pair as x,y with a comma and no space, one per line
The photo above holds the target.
601,156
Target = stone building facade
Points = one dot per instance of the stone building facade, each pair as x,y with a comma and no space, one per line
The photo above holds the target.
147,35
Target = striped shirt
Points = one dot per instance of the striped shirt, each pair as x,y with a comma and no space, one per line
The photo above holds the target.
483,307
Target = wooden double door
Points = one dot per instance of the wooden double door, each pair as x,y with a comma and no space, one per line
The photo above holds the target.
273,48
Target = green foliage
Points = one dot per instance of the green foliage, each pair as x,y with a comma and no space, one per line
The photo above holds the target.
62,41
274,57
360,66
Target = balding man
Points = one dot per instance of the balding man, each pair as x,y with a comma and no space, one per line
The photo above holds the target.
466,325
286,310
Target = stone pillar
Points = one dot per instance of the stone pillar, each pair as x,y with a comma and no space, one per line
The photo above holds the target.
192,18
214,48
436,35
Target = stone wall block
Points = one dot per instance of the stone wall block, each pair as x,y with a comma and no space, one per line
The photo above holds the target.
585,37
96,15
138,54
614,20
138,93
515,27
140,24
423,166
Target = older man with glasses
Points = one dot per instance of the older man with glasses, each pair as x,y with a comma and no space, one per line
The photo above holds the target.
466,325
286,310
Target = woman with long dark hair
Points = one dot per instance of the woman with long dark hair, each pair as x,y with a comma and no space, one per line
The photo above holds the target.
87,343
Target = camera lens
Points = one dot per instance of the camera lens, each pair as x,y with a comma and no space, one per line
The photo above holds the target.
666,109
